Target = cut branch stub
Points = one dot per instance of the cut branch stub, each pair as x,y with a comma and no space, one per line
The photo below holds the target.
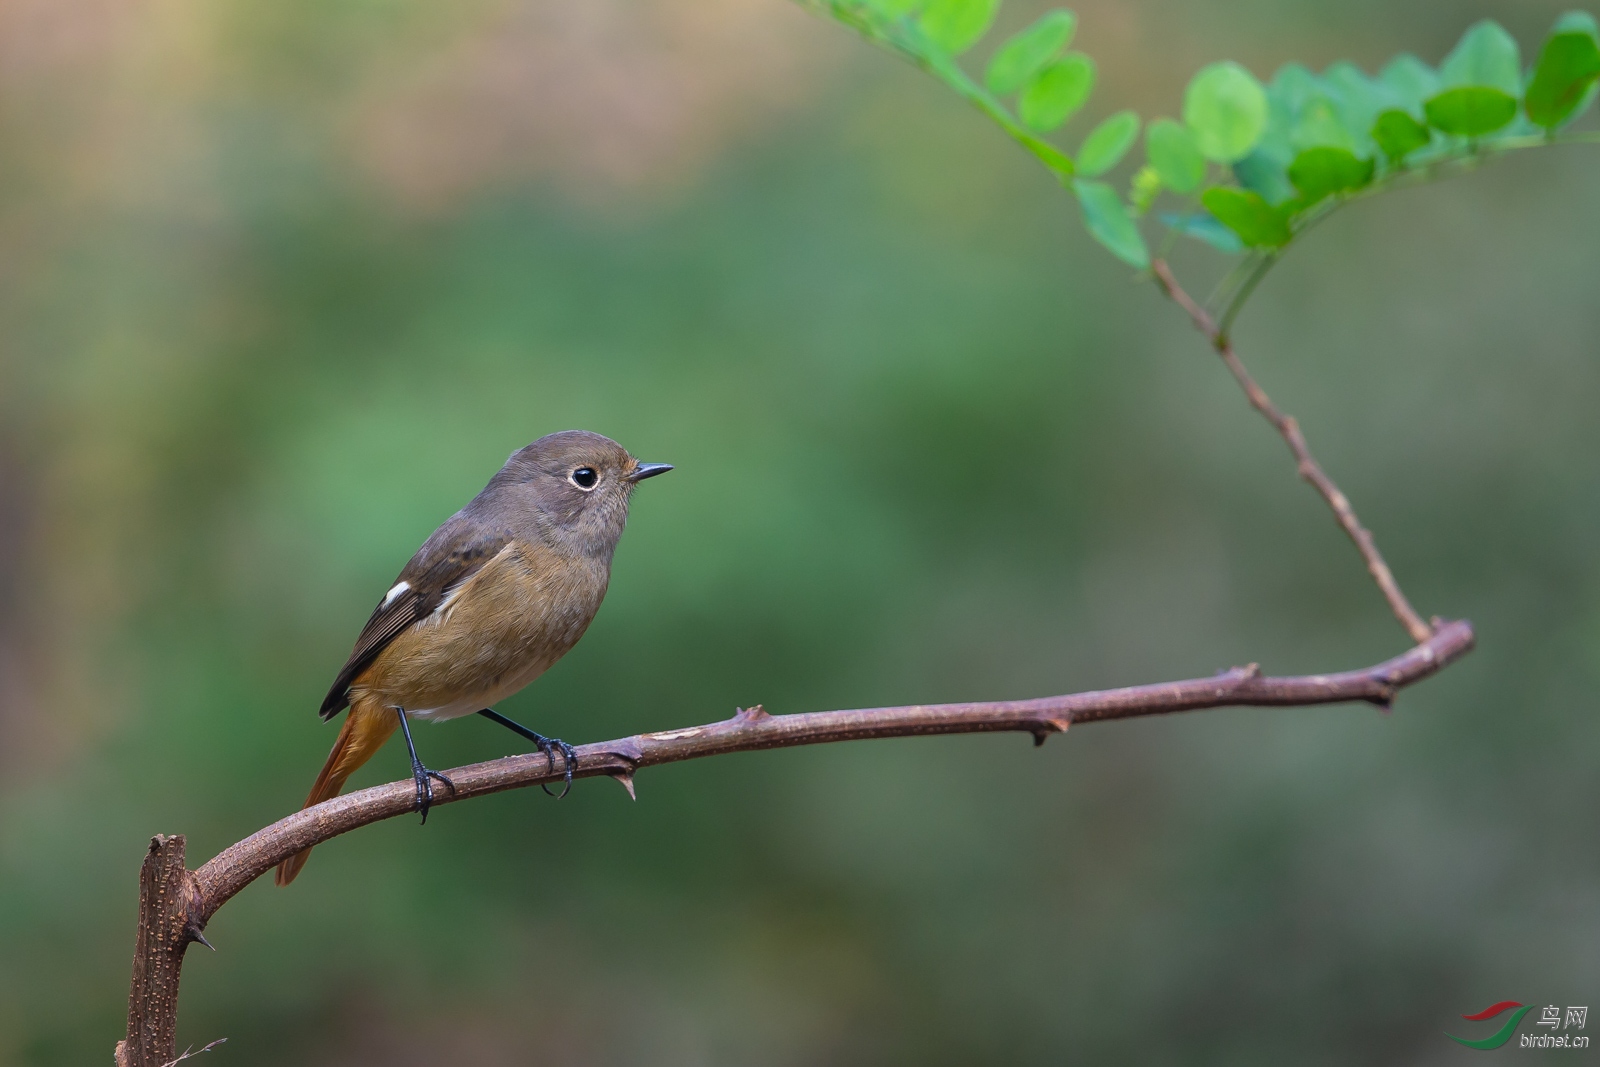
169,919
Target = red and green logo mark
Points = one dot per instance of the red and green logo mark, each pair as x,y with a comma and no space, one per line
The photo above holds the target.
1501,1036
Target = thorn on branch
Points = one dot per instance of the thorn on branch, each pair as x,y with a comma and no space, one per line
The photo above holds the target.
627,783
1248,672
1055,725
191,932
754,713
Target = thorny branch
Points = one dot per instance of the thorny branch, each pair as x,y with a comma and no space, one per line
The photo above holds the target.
1310,469
177,903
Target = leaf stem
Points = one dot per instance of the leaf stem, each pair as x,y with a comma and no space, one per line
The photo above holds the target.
1253,279
904,38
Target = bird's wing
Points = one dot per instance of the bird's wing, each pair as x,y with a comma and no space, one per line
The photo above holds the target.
456,551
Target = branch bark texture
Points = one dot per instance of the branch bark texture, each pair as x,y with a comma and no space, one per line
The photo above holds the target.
169,904
175,904
1309,468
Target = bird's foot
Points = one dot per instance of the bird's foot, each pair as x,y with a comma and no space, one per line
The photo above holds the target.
420,774
547,745
569,760
423,777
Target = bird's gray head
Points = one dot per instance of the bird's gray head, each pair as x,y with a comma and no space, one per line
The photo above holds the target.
578,482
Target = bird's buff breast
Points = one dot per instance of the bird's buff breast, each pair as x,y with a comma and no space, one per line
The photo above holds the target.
501,629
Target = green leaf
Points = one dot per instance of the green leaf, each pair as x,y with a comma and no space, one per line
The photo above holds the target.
1020,58
1411,81
1265,169
1172,151
1057,92
1319,123
1471,110
1293,85
1568,66
1109,223
1359,100
1258,223
1580,22
1486,55
1266,172
1107,143
894,9
1205,228
956,25
1398,134
1227,110
1320,172
1577,22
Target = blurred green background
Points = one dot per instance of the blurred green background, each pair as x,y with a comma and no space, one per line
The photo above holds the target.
281,284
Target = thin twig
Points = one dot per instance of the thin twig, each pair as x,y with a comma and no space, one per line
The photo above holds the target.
191,1052
1309,469
1224,325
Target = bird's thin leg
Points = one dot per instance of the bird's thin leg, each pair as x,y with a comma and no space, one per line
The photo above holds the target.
547,745
419,773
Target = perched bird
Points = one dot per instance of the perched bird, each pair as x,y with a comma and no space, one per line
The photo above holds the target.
499,593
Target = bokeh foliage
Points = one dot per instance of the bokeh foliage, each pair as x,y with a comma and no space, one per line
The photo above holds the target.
929,448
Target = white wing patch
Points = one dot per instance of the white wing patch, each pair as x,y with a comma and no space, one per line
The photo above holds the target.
388,598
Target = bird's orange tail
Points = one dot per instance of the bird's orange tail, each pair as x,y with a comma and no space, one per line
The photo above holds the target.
366,728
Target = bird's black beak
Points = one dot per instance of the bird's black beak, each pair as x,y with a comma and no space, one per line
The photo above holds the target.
648,470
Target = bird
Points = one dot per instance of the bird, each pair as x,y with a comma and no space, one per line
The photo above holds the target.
494,597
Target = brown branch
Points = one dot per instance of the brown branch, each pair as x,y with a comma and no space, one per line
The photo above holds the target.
1309,469
169,901
175,905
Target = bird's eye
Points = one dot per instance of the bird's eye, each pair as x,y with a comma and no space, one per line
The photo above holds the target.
584,477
